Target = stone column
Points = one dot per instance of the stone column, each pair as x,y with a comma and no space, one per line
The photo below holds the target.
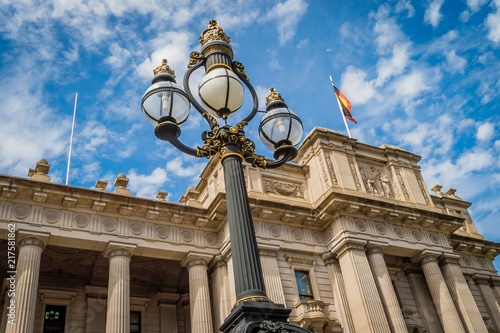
96,309
386,289
361,290
168,312
421,294
461,294
483,284
450,320
221,292
5,301
271,272
339,295
199,294
185,312
31,245
118,314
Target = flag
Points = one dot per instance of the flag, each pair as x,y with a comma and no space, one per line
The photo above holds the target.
345,105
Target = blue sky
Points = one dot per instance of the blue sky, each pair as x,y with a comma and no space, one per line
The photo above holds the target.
421,75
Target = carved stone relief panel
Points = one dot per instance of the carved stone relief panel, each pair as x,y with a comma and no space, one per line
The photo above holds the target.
331,170
283,188
377,180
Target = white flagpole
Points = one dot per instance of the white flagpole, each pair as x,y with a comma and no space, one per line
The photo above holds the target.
71,140
340,108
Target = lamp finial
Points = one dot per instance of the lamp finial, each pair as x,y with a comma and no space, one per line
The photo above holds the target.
214,32
164,68
273,96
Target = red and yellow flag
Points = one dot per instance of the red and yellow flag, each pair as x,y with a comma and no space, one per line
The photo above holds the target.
344,104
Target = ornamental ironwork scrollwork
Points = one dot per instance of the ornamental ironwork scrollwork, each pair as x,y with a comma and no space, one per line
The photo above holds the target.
268,326
195,58
240,69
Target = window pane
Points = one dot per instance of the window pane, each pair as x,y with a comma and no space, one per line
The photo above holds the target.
303,285
135,322
54,319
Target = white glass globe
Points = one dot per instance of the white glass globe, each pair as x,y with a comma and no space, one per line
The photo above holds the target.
221,92
165,99
278,126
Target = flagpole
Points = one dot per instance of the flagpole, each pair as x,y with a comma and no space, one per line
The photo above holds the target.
71,140
340,109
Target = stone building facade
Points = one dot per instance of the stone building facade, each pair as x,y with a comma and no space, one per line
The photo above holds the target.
349,238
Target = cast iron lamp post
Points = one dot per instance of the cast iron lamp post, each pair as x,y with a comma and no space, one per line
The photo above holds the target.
166,105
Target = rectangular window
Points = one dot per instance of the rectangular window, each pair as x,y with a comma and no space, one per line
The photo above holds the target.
54,320
135,322
304,285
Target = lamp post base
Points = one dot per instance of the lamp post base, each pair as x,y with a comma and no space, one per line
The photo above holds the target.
257,317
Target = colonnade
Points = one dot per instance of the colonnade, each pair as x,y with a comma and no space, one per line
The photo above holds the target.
359,277
363,286
117,318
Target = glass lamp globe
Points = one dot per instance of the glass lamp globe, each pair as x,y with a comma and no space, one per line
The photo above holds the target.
280,126
165,101
221,92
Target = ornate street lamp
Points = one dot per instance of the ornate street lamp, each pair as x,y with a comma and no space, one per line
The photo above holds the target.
166,105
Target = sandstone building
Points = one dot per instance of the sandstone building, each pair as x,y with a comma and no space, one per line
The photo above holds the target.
349,238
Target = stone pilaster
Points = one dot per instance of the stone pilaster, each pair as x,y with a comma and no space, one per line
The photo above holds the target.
461,294
361,290
118,314
199,294
495,284
272,278
30,245
483,284
185,311
96,309
168,312
386,289
448,314
339,294
220,290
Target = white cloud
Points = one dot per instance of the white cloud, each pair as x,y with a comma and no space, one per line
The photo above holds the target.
287,16
387,31
355,86
427,138
465,16
492,23
180,166
475,5
474,161
405,5
485,131
486,58
389,67
465,124
455,63
147,186
173,46
30,129
119,56
433,14
411,85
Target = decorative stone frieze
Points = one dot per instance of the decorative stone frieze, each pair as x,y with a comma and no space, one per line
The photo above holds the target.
283,188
